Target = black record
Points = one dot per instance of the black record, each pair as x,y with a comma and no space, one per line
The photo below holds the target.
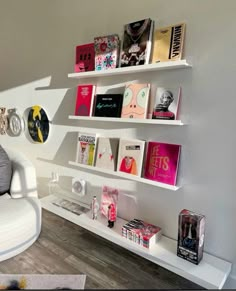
38,124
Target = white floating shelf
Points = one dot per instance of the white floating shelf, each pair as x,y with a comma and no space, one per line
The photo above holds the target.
211,273
125,176
181,64
127,120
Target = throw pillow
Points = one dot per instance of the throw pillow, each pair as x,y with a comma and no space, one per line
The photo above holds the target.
5,171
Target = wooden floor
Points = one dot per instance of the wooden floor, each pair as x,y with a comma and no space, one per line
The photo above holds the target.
65,248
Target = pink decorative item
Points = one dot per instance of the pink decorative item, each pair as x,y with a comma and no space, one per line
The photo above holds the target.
109,196
162,161
111,215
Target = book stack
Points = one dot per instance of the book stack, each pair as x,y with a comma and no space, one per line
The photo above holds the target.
141,232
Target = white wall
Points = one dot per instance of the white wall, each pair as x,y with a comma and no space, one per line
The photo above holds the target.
37,52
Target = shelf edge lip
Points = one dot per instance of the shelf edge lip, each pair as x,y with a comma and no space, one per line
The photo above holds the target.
126,176
180,64
128,120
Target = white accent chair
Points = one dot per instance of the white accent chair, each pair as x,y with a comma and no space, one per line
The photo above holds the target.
20,212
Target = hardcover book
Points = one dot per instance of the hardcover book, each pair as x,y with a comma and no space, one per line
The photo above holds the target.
107,153
166,103
191,233
107,49
137,43
84,58
130,156
109,195
84,100
141,232
86,148
108,105
168,43
135,101
162,160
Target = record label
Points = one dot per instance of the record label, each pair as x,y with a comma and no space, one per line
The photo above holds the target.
38,124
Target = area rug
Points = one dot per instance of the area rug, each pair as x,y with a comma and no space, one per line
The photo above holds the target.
41,281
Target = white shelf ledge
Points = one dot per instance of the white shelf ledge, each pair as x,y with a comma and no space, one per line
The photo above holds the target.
211,273
127,120
181,64
125,176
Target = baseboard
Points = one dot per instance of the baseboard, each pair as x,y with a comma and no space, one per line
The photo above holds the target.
230,282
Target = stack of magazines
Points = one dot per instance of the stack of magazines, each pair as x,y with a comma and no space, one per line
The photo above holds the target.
141,232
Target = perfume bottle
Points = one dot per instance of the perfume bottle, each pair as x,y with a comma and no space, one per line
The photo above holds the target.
94,207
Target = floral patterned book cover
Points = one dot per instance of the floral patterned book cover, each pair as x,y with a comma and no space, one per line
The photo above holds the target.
107,49
162,160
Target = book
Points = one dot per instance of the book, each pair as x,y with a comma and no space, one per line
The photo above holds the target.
142,233
168,43
135,101
166,103
84,100
161,163
137,43
108,105
109,195
191,233
130,156
84,58
107,153
107,50
86,143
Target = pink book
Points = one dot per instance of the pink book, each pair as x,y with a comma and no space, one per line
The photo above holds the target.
84,57
84,100
162,161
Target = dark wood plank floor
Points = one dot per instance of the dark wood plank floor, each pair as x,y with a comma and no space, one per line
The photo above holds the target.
65,248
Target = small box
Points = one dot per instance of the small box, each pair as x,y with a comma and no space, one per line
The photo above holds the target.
191,231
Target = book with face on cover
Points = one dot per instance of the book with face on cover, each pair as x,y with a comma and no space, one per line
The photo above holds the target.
86,143
130,156
137,42
135,101
107,152
168,43
166,103
161,162
84,58
107,50
84,100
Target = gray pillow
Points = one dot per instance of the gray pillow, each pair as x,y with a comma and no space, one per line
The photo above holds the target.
5,172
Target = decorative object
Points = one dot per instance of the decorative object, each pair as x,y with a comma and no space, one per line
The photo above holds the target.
109,196
41,282
3,121
16,122
38,124
94,208
78,186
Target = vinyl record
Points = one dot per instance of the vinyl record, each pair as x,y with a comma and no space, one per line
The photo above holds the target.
38,124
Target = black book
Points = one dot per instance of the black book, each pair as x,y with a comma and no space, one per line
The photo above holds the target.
108,105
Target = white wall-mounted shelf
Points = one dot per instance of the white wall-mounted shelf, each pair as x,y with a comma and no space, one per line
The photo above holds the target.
211,273
127,120
125,176
181,64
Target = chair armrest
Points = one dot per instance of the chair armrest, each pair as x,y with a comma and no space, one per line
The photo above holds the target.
24,182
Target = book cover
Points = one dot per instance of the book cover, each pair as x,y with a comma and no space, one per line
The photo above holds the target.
141,232
108,105
161,163
84,100
137,43
109,196
130,156
166,103
135,101
107,153
86,148
84,58
168,43
107,49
